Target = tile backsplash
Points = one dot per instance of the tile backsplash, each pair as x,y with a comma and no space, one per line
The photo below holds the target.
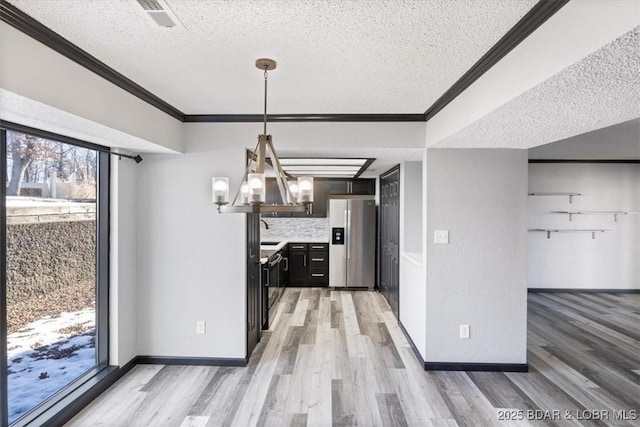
291,228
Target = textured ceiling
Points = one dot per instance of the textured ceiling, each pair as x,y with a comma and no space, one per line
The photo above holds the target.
601,90
334,56
621,141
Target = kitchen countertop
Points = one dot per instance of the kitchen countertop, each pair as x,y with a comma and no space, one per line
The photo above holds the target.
298,239
267,251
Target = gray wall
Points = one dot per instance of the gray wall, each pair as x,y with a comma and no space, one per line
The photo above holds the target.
575,260
411,179
480,277
191,259
412,274
123,287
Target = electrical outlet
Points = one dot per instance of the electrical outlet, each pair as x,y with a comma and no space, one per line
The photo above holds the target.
441,237
201,327
464,331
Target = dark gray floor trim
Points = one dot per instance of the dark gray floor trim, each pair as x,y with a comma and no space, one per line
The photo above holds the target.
258,118
538,14
195,361
583,291
486,367
583,161
124,369
413,345
34,29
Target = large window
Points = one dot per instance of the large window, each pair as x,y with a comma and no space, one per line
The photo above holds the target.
55,283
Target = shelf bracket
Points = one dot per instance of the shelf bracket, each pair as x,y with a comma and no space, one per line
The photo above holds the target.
615,217
548,234
570,215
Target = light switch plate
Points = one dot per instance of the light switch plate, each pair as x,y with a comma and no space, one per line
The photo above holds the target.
441,237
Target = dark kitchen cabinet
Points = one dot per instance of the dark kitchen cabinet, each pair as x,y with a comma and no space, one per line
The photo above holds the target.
297,264
389,238
284,268
308,264
365,187
318,261
272,197
323,189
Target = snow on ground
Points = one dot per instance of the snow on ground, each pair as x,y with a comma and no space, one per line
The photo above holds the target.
46,355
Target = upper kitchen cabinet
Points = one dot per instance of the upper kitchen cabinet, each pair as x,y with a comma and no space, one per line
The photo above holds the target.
350,186
325,188
365,187
272,197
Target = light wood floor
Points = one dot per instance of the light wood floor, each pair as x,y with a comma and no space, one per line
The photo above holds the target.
339,358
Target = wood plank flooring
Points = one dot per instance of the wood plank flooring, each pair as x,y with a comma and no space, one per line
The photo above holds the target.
339,358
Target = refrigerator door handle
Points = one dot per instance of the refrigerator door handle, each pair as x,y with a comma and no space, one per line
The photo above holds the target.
348,233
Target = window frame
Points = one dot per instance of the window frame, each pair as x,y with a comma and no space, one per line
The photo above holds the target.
102,272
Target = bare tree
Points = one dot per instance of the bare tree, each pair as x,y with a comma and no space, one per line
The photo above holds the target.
23,150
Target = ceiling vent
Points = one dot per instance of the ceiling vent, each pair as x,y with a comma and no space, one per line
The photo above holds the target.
159,12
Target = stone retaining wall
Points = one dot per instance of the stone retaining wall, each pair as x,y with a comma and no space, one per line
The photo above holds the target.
44,257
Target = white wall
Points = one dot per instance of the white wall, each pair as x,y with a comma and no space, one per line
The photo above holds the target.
191,260
575,260
32,70
480,277
412,273
309,136
122,290
412,214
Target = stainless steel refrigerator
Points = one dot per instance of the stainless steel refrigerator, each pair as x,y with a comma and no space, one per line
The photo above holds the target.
352,243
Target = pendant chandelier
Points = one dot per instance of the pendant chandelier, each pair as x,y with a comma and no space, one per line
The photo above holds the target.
295,194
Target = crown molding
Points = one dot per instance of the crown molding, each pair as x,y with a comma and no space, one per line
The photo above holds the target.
584,161
252,118
533,19
34,29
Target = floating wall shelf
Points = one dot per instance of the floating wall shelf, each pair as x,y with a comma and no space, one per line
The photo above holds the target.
569,230
570,195
614,213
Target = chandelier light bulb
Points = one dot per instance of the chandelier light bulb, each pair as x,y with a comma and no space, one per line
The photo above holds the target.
220,190
256,188
305,186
